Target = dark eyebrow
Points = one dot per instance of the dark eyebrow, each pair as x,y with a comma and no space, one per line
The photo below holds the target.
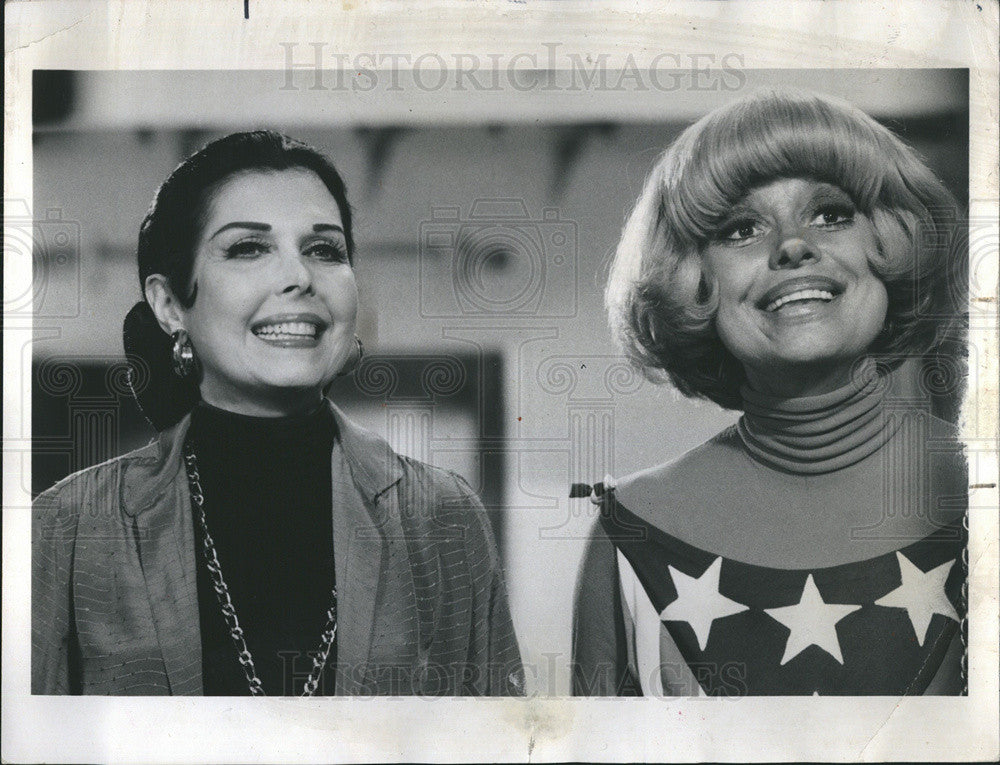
242,224
739,210
317,227
830,193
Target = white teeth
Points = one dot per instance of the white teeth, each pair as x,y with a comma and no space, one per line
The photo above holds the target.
791,297
287,329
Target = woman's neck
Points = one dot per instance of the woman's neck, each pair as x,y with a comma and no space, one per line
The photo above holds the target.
284,403
802,381
820,433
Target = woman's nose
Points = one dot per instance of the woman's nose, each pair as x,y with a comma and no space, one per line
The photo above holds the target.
793,252
295,273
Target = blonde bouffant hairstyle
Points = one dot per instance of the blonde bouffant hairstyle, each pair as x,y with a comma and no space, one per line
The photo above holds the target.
660,303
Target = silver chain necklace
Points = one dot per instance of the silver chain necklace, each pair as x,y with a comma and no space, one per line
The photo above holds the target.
226,604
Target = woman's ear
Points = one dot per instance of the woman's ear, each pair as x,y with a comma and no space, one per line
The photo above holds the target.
167,309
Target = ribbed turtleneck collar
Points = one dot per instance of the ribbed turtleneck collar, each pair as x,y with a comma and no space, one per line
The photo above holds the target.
818,434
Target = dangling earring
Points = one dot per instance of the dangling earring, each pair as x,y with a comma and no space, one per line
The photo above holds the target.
184,361
351,366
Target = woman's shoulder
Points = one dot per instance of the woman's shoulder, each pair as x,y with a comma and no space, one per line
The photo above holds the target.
945,457
426,492
370,451
443,486
943,435
437,497
101,473
697,473
95,484
691,498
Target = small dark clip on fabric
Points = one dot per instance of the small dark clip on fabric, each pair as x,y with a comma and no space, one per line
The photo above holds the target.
595,492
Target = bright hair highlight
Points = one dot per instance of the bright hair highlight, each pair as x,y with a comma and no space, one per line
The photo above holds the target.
662,308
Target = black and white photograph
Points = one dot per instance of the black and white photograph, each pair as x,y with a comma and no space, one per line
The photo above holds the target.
509,399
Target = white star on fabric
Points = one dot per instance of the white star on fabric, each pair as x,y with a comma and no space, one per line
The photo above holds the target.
699,602
921,594
812,621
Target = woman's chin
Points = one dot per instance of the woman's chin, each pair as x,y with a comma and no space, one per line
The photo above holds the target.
805,360
801,374
274,395
294,378
802,352
293,389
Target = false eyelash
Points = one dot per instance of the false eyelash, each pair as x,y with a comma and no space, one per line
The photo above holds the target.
234,250
840,209
727,229
336,247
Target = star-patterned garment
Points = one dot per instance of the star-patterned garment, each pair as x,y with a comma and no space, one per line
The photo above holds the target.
880,626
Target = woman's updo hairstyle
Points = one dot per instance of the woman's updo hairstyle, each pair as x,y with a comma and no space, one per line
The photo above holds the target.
167,239
662,307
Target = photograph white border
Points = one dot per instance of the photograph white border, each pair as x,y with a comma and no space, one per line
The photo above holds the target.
213,34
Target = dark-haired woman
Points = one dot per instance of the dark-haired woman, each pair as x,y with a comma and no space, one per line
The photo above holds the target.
262,544
786,253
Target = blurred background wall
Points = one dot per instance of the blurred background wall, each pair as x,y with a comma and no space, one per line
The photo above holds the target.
485,222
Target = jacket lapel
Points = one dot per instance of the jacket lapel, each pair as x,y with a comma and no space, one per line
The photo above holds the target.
357,555
160,504
363,467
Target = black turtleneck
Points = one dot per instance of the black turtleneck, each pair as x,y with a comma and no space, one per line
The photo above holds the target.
267,489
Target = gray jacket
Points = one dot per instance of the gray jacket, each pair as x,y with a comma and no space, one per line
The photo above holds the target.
421,597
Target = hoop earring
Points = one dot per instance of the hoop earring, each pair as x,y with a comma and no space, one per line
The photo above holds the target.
352,366
183,354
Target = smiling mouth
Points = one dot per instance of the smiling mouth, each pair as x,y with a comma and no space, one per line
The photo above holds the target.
801,296
289,331
800,293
